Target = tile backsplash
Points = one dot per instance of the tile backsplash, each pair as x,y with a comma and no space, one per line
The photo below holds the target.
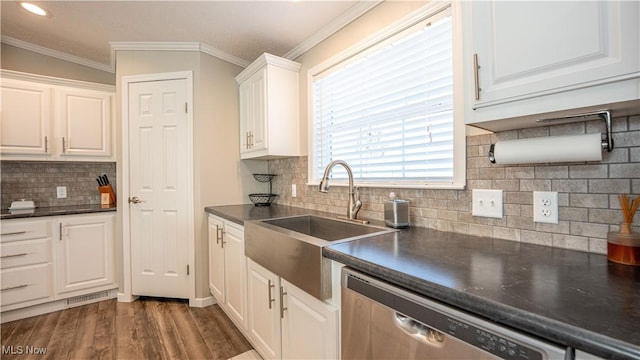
37,181
587,191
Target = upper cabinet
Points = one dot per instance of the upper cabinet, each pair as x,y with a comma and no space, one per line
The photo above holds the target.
527,58
44,118
269,113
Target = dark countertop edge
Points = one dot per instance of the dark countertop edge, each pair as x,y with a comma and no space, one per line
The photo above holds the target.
59,211
539,326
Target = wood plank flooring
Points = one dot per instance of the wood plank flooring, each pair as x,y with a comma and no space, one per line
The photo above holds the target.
148,328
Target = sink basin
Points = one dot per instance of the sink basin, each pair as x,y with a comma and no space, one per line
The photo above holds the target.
324,228
291,247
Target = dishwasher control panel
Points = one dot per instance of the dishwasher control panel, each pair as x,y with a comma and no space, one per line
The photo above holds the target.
488,341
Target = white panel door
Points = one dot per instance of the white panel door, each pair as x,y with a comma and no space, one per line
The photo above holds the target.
85,122
158,188
25,118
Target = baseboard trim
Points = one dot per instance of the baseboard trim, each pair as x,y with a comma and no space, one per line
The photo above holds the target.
202,302
122,297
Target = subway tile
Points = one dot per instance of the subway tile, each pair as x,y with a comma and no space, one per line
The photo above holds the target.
573,214
506,233
598,246
571,242
589,229
635,155
506,184
567,129
617,155
630,170
480,230
634,122
519,222
610,186
589,200
533,132
536,237
562,227
551,172
569,186
587,171
605,216
535,185
520,172
626,139
519,197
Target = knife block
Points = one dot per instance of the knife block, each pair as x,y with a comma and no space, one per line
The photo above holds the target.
107,196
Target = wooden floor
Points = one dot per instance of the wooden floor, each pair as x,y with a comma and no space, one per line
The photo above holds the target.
147,328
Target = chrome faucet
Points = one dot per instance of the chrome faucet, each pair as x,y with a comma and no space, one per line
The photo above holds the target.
354,194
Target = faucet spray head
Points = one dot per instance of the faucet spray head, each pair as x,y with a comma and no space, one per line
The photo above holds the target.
324,185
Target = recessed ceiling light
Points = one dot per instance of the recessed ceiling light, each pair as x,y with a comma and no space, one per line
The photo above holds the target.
35,9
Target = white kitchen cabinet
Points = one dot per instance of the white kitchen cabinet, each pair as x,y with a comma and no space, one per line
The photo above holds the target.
85,253
216,258
228,269
528,58
26,263
286,322
45,118
26,118
263,295
268,92
84,117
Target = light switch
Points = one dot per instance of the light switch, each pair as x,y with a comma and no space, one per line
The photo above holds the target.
487,203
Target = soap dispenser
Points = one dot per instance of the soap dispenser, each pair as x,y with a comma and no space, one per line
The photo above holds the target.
396,212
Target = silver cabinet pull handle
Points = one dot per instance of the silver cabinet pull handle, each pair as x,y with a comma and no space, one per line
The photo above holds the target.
60,235
63,145
15,287
13,233
476,66
271,285
282,308
46,144
217,234
12,255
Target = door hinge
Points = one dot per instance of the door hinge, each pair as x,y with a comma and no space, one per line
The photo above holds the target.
187,269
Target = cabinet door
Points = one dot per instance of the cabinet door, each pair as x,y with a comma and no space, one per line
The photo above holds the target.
216,258
263,310
84,118
235,273
25,118
309,326
85,252
527,49
253,113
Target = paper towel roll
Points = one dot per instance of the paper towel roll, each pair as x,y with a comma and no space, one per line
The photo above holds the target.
548,149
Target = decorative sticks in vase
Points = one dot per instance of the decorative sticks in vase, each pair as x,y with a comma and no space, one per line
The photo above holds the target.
624,246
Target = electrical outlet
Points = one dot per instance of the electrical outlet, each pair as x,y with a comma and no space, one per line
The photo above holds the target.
545,207
487,203
293,190
61,192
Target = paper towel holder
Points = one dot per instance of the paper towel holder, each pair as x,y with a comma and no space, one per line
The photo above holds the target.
607,138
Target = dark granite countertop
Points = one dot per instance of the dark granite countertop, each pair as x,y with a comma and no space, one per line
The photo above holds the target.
55,211
567,297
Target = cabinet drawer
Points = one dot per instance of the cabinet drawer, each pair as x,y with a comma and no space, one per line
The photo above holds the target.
23,230
28,252
25,284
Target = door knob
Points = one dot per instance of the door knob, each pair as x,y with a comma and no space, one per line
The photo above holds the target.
134,200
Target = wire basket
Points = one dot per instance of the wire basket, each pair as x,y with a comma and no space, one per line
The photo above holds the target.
264,177
262,199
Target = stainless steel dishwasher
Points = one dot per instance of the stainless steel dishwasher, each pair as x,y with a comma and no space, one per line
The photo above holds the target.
382,321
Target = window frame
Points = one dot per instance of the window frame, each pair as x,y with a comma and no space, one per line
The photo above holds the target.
459,147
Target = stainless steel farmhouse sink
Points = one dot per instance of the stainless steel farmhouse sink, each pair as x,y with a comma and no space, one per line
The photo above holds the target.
291,247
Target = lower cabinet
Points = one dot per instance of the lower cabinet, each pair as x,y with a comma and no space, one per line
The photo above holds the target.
84,252
228,268
286,322
54,258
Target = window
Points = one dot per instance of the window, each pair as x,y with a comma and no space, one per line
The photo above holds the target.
388,110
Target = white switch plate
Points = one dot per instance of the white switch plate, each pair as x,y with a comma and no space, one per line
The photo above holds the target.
545,207
293,190
61,192
487,203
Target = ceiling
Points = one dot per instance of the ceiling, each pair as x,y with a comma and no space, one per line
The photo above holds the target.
239,30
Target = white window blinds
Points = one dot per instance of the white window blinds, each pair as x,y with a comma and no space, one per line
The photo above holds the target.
388,112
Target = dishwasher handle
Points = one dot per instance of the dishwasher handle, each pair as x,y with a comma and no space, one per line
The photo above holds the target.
419,330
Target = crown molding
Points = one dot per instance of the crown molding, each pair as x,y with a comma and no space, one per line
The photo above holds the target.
210,50
338,23
57,54
51,80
